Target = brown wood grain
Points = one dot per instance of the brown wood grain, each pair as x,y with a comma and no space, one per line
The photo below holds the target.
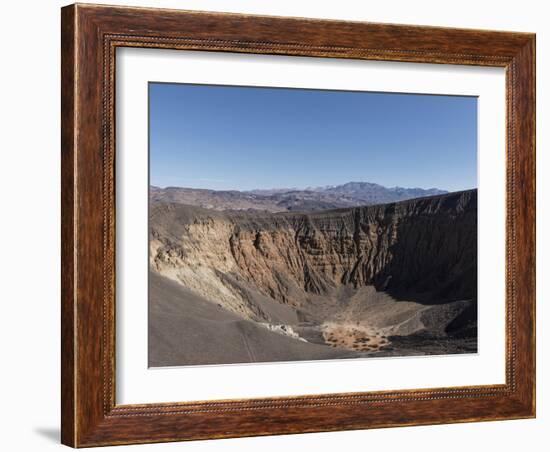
90,36
67,226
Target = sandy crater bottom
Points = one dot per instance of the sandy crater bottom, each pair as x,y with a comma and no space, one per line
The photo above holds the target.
353,337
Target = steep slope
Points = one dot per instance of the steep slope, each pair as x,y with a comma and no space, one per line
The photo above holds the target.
187,329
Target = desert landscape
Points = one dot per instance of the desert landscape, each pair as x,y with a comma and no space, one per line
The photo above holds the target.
354,270
296,224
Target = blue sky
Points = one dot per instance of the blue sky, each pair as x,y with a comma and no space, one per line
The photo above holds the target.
241,138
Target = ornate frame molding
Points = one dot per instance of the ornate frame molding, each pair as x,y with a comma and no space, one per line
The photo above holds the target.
90,36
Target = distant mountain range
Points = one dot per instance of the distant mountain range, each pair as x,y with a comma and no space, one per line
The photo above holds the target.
351,194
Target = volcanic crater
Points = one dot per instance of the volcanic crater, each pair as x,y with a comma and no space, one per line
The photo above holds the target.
248,285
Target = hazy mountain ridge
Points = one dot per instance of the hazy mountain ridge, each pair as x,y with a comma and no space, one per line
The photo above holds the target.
351,194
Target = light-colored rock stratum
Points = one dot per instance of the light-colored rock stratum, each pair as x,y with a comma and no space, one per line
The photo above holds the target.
390,279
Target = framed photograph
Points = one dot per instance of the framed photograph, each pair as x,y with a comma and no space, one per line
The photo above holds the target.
281,225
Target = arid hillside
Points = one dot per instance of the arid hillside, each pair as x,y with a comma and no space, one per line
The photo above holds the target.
387,279
351,194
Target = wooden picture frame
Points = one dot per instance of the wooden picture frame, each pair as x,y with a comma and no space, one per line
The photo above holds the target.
90,36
